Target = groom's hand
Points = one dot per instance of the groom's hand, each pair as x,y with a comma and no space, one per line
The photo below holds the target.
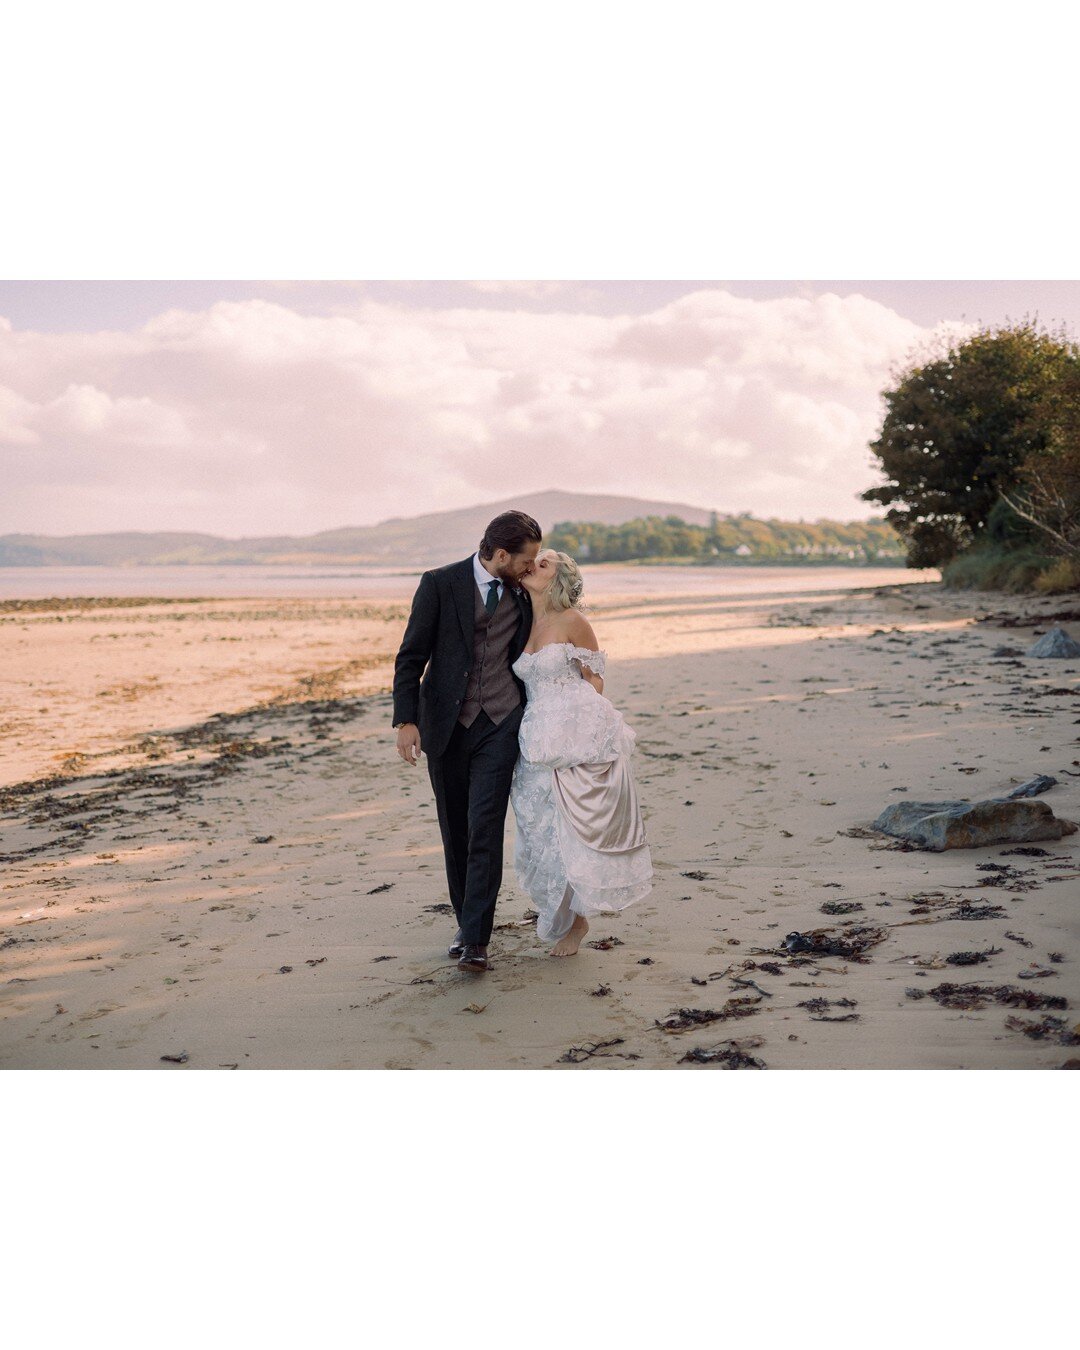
408,743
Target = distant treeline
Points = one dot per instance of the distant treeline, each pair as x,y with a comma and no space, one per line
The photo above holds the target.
727,539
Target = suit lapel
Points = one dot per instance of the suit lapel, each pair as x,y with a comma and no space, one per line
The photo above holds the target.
463,585
524,624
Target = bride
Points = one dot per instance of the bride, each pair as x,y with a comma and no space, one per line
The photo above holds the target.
581,847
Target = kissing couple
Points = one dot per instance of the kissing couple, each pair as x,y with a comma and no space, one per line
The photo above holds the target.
499,680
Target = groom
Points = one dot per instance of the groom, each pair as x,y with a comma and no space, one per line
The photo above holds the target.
470,621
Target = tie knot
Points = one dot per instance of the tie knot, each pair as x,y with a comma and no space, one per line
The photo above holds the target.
492,596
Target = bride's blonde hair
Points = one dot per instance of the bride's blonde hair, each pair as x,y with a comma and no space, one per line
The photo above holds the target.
566,588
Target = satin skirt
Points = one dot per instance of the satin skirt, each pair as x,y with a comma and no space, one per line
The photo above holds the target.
581,846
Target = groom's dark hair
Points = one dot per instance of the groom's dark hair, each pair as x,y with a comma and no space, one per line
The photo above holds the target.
511,531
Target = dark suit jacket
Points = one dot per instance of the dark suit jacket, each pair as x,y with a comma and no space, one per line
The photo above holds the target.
439,635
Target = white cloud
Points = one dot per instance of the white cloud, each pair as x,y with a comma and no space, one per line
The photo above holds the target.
249,417
16,413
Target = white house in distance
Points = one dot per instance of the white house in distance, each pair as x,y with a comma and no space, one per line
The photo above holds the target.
743,551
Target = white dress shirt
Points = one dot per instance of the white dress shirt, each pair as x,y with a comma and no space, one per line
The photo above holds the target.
484,578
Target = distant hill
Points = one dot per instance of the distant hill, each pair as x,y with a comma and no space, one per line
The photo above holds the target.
425,541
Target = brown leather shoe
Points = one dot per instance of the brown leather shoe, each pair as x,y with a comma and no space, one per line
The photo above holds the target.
456,947
474,957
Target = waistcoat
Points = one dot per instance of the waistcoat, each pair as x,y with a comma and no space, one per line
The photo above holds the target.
491,684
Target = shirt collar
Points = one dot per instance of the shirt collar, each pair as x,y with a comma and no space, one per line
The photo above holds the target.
483,576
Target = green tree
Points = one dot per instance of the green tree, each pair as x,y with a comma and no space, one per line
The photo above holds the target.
956,431
1046,499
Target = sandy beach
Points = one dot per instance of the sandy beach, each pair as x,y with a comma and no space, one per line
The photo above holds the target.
213,858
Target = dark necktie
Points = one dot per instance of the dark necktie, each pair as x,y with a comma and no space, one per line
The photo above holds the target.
492,596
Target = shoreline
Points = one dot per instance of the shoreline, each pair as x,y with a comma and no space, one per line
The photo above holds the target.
384,570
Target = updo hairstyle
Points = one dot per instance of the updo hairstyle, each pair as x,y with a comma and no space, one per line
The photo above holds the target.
566,589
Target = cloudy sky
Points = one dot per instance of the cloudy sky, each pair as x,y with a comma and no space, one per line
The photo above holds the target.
288,407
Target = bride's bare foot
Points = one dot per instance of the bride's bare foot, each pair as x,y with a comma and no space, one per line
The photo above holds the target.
568,945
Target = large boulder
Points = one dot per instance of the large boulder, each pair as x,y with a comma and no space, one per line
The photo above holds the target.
940,825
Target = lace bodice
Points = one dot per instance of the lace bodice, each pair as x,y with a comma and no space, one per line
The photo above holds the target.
557,663
566,719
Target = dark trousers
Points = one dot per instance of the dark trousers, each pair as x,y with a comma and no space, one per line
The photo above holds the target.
472,780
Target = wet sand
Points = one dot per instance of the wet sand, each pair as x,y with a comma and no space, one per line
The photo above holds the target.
211,849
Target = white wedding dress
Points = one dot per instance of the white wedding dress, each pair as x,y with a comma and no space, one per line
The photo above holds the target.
581,846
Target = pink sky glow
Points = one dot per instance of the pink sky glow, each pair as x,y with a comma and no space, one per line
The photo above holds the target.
289,407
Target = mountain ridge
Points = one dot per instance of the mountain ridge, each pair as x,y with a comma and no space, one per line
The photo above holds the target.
426,538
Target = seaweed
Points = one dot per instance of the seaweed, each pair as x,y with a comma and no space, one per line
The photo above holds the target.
817,1007
964,910
972,958
682,1019
1002,619
728,1054
1054,1029
577,1054
971,997
841,906
1006,877
851,945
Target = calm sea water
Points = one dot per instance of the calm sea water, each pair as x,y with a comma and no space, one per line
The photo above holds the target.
36,583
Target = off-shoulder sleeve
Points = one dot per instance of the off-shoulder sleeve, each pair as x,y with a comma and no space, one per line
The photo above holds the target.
585,656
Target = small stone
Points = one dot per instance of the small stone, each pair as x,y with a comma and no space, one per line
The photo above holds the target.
1056,643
